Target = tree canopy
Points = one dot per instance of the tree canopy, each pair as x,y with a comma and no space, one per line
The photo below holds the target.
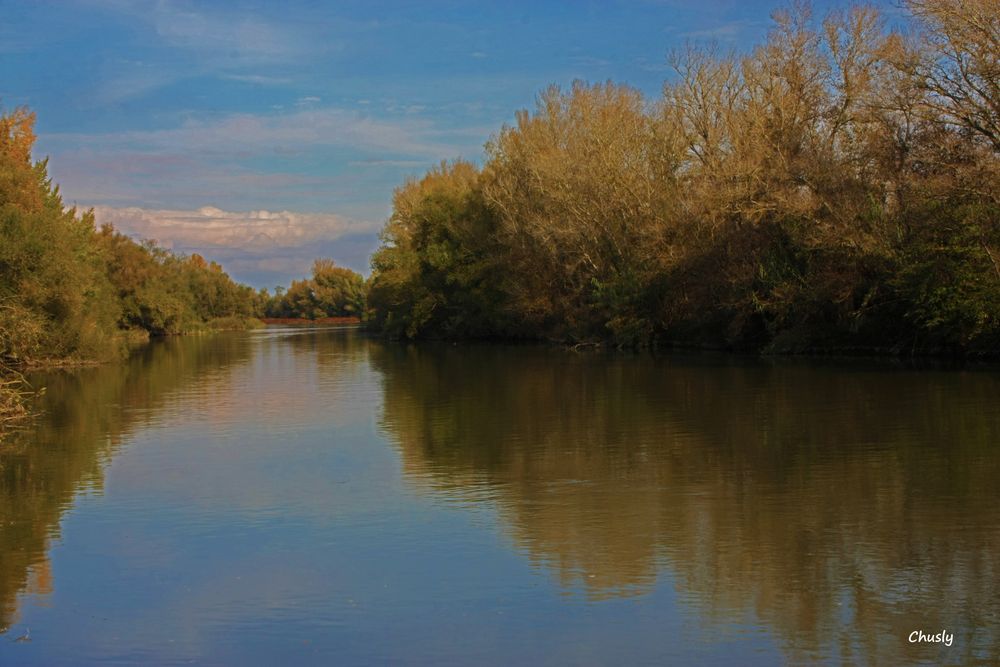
333,291
834,188
70,292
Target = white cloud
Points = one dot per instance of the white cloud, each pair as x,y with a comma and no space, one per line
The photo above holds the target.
251,231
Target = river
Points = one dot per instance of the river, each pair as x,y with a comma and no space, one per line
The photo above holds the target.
316,496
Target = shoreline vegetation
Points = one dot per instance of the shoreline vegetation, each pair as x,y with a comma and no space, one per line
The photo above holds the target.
834,190
72,294
320,321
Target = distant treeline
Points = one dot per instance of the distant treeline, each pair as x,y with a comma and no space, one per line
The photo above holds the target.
333,291
836,188
70,292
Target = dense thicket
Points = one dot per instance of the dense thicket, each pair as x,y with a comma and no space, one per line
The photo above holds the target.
837,187
163,293
333,291
438,269
69,291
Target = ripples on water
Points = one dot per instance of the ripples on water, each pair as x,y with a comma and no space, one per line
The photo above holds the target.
318,497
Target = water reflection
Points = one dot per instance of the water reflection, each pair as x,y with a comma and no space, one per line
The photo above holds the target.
85,416
254,514
843,508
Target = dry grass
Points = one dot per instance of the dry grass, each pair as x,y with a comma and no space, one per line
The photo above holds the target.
14,393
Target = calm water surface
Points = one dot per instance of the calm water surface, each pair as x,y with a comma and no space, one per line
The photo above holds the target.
317,497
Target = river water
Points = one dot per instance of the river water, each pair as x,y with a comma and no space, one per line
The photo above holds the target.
316,496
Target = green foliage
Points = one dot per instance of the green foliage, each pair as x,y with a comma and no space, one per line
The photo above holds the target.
949,276
69,292
439,272
338,292
333,291
622,303
55,296
163,293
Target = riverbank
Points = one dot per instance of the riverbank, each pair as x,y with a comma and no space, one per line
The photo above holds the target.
322,321
662,346
12,399
16,393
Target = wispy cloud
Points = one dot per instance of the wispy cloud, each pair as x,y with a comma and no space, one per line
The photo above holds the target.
589,62
125,81
647,65
255,134
725,32
259,79
206,40
237,36
389,163
316,158
214,29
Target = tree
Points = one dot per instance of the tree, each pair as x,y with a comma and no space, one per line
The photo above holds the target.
339,292
333,291
581,190
960,63
835,186
55,296
441,269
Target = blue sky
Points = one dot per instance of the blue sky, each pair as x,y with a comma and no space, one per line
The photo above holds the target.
265,134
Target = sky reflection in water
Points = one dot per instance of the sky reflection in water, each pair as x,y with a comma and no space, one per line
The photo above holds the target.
315,495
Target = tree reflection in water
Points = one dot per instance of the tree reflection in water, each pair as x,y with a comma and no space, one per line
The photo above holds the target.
843,507
839,508
85,416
